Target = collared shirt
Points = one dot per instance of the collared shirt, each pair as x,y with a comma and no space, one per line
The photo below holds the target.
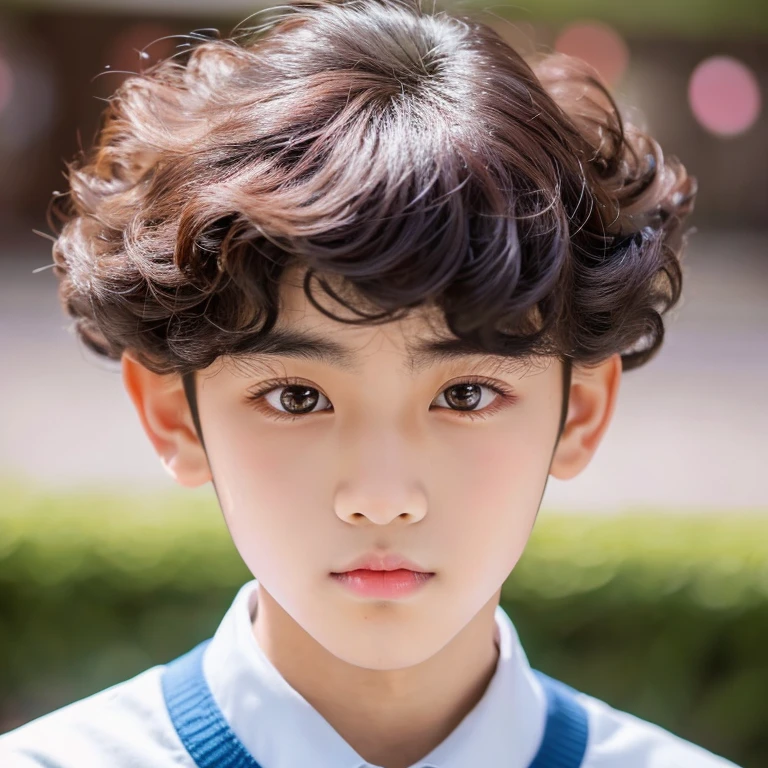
128,725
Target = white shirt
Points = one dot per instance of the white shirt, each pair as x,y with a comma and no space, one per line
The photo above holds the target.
128,725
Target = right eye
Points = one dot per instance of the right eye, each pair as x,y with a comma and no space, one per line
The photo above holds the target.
287,399
299,397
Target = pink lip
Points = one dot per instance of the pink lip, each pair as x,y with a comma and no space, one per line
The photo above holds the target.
383,584
390,562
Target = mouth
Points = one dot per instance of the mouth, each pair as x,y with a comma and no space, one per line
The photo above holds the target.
383,584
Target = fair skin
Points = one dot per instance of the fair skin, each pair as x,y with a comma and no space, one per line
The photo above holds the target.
385,459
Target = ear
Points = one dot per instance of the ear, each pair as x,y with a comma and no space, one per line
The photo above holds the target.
591,403
164,413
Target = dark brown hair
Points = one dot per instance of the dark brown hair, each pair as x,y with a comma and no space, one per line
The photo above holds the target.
413,158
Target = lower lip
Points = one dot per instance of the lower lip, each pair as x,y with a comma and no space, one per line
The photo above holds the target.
383,584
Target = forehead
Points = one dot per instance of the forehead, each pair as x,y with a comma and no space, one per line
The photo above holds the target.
349,344
415,343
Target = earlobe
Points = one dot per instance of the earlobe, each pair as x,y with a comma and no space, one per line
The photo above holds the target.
591,404
164,414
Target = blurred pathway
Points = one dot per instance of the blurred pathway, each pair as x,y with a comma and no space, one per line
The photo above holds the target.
690,428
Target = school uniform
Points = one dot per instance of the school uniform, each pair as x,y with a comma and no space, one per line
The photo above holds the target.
224,704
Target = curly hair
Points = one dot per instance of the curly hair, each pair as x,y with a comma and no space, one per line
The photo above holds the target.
414,157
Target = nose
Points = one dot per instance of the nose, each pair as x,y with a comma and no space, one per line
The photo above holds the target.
381,484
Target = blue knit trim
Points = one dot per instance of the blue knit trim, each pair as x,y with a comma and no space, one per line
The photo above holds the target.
566,730
201,726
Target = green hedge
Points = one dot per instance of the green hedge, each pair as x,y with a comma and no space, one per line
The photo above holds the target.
661,614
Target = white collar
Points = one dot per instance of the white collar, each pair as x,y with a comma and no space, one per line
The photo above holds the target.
282,730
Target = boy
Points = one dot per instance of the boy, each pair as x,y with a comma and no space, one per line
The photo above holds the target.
493,247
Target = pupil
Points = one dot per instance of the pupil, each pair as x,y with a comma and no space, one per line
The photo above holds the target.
287,398
474,396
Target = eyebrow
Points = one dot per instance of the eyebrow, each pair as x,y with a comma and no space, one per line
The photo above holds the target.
303,345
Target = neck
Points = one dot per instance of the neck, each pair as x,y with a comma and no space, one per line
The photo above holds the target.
422,704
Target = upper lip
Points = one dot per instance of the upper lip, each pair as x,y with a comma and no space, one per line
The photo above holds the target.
377,562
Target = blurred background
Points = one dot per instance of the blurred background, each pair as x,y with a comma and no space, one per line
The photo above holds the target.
689,438
691,428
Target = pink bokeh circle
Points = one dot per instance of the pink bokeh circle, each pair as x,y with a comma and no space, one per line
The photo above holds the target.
599,45
724,95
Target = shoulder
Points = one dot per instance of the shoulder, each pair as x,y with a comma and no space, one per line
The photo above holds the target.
617,738
125,726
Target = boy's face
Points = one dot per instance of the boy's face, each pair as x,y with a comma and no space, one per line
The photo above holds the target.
385,461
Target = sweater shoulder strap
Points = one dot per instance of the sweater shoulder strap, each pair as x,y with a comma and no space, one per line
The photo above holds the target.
566,730
196,716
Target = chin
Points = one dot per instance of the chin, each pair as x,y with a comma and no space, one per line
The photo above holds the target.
384,660
381,645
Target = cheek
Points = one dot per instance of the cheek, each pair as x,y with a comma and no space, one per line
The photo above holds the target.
502,469
490,486
268,480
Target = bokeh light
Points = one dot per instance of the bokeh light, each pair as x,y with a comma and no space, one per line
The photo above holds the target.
599,45
724,95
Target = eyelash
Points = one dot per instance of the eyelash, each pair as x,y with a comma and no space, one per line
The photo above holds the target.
506,397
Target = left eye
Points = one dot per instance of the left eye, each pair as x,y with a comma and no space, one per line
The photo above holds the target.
467,396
